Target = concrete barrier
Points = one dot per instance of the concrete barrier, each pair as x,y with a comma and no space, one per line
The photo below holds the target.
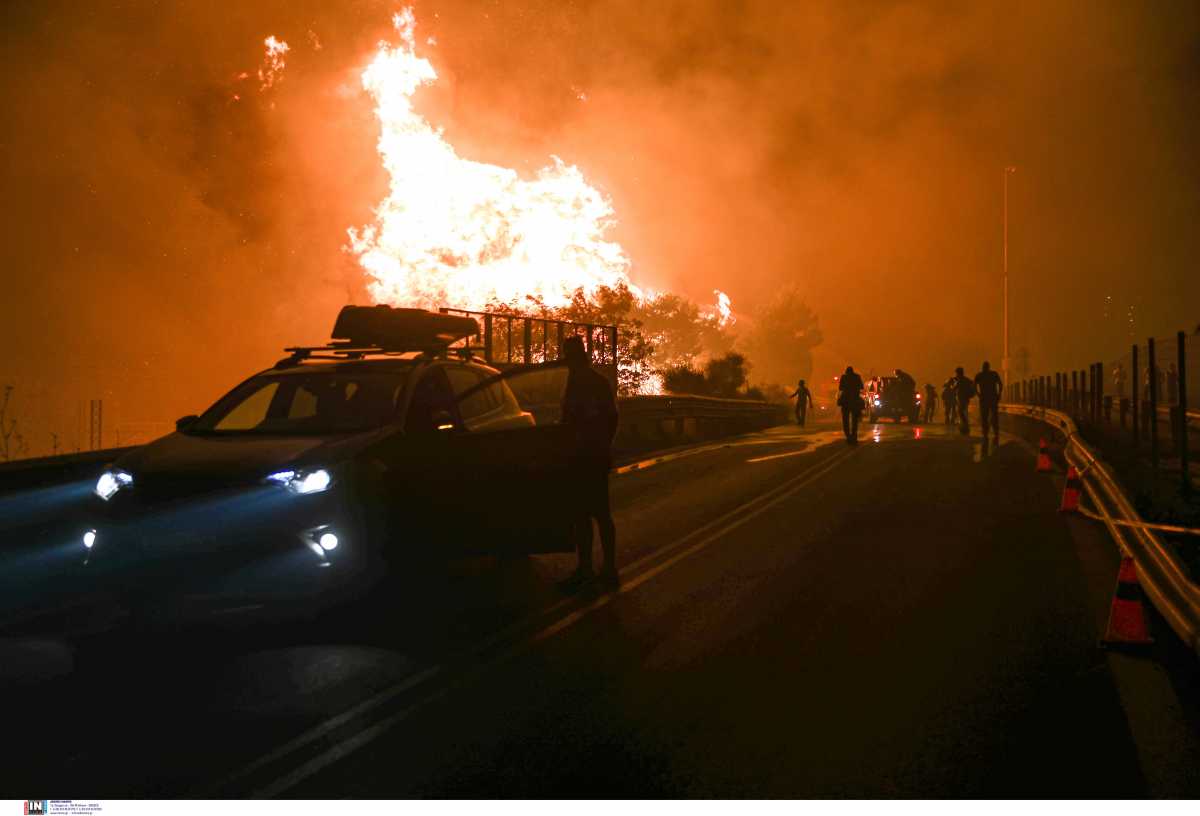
651,422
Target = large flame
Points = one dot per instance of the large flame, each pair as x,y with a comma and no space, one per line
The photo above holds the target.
469,234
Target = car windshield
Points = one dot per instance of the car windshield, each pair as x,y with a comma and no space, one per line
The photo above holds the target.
308,402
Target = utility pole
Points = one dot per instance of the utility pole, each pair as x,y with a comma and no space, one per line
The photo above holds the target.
1004,363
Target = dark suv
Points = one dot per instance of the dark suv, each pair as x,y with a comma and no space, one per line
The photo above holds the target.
894,397
333,466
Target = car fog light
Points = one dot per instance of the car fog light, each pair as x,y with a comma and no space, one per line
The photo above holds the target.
328,541
89,538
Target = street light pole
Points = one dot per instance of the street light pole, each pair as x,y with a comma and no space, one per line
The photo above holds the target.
1004,363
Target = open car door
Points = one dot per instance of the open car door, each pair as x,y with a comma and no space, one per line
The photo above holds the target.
519,450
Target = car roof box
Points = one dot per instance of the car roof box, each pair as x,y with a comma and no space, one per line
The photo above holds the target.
400,329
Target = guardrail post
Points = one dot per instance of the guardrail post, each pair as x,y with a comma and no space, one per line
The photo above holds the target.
1088,408
528,341
1152,369
1137,398
1075,391
1094,404
1099,391
1181,363
487,337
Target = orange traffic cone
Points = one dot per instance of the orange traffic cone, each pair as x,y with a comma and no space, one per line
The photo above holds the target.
1070,499
1127,618
1043,463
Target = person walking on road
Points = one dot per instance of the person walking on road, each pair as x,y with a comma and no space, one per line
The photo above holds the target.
949,401
803,402
850,400
931,398
989,387
964,390
589,409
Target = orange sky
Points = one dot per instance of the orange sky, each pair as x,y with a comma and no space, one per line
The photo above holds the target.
164,241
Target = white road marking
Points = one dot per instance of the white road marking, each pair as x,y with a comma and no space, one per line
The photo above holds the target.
777,456
715,529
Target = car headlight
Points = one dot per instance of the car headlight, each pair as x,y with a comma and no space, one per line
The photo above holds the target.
111,481
303,481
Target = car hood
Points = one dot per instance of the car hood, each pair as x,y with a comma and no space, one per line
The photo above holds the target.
239,458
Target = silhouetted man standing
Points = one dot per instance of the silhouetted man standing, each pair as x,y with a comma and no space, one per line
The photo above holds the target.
964,390
931,399
989,386
949,400
589,409
850,387
803,401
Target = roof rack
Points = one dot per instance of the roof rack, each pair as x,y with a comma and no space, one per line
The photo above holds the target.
347,351
362,331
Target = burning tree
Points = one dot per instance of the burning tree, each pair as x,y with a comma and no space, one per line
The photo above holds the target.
724,376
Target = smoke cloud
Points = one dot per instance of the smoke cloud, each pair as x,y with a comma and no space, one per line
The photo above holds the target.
165,239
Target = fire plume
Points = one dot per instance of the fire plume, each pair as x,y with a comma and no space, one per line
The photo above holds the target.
452,231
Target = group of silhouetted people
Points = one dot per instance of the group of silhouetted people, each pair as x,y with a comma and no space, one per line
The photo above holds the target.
956,395
958,392
589,408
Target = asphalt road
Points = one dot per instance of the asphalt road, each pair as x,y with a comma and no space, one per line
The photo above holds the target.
797,617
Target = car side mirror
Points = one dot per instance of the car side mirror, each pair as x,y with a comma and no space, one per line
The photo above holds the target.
183,423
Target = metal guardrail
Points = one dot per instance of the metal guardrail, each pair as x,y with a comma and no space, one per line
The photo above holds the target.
668,406
1162,575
